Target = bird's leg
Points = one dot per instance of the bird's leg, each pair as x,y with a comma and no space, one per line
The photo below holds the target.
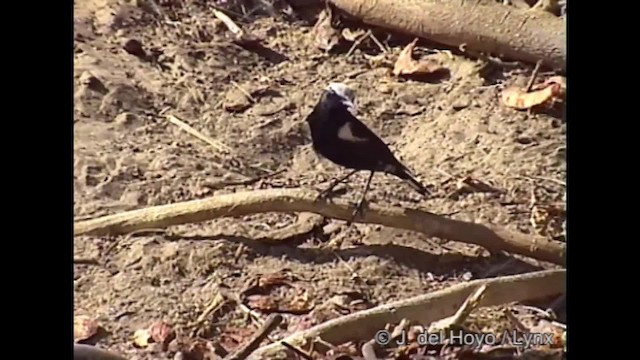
334,183
362,198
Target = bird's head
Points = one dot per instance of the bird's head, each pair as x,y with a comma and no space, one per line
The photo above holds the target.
339,94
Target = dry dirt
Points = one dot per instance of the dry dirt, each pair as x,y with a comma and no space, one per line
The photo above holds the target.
128,156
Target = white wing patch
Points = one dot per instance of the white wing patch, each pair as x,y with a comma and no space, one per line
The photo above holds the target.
346,133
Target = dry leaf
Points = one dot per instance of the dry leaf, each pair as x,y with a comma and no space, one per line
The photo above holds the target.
263,303
301,303
141,338
344,350
162,333
558,82
406,65
546,93
232,337
276,293
547,327
300,323
547,220
84,328
326,37
198,349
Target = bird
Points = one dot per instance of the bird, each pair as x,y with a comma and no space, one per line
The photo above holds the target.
339,136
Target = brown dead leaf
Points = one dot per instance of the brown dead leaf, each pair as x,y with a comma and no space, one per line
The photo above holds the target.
232,337
84,327
547,93
301,323
198,349
162,333
301,303
558,83
347,349
547,327
547,220
141,338
406,65
326,37
348,302
275,292
263,303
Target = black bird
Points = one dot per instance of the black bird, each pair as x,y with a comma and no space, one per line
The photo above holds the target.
340,137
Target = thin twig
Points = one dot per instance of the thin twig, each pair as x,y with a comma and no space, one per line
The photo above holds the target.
354,274
467,307
244,92
216,303
184,126
249,181
534,74
230,24
246,349
252,314
539,311
375,40
357,42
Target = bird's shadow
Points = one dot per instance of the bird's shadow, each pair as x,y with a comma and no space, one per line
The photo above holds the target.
443,264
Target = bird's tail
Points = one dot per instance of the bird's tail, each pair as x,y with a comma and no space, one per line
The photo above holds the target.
404,173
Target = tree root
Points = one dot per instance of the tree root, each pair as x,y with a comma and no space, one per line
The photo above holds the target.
487,26
492,238
425,309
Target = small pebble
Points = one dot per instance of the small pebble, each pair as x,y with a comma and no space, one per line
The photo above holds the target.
385,89
93,83
461,103
134,47
125,119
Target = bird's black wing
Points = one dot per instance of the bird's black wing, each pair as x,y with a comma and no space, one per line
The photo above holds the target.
359,129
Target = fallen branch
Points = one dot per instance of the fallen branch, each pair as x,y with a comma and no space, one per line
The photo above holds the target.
487,27
300,200
425,309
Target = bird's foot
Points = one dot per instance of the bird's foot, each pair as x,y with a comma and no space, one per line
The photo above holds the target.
328,193
323,195
358,211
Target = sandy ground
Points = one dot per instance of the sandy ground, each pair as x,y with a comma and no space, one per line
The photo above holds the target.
128,156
